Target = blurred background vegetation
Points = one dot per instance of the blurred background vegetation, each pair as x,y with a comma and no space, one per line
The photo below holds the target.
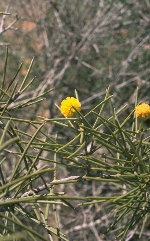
82,45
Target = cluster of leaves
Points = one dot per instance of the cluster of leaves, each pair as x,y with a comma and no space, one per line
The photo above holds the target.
105,151
21,145
108,150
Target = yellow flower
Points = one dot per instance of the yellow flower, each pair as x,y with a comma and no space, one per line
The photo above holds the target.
67,105
142,111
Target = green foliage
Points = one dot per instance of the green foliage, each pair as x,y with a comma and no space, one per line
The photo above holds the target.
18,168
106,150
123,163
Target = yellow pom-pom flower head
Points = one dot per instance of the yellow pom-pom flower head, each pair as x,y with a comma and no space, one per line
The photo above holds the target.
142,111
69,106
